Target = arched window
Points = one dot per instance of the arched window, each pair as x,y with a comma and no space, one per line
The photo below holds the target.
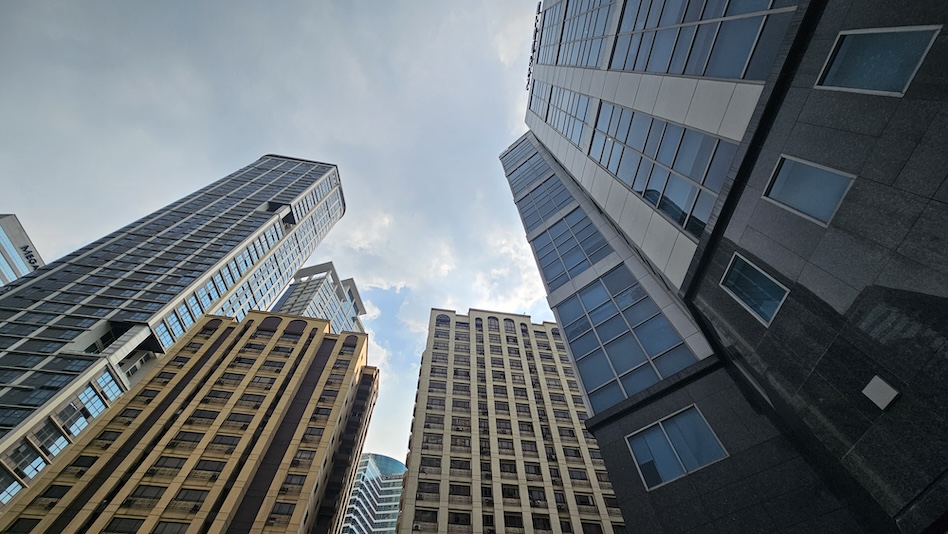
509,326
479,324
524,330
270,324
296,327
493,324
442,320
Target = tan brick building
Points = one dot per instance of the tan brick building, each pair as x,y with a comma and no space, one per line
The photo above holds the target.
253,426
498,443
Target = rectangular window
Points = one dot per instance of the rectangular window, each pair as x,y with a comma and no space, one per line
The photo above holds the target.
754,289
674,447
808,189
879,61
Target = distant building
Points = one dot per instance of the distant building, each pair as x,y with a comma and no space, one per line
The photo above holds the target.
738,211
373,504
318,292
497,442
245,427
77,333
18,255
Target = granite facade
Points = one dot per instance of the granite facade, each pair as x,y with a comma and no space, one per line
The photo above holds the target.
867,290
763,485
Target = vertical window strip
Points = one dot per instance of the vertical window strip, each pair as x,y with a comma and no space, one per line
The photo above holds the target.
668,37
677,170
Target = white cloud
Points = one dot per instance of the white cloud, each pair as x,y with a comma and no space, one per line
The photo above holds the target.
114,110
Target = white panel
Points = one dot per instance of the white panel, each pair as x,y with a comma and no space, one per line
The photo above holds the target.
656,290
709,104
648,92
680,259
740,110
616,201
699,345
880,392
600,186
597,82
627,89
680,321
673,94
640,220
610,86
659,240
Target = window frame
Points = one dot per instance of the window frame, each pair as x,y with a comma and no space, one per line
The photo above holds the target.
834,51
791,209
672,446
743,304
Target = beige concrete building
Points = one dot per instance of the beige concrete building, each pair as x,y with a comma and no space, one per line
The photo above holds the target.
253,426
498,442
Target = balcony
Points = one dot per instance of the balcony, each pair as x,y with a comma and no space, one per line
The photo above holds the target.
425,527
461,448
191,507
460,529
459,499
162,472
220,447
199,421
587,509
430,471
301,463
238,425
290,489
140,502
613,511
199,474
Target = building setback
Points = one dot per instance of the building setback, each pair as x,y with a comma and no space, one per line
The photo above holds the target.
241,429
373,503
18,255
735,207
318,292
77,333
497,442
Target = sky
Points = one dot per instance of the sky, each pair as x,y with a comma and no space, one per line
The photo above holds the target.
111,110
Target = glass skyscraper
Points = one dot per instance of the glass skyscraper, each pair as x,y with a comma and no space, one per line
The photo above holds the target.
18,256
75,334
373,504
318,292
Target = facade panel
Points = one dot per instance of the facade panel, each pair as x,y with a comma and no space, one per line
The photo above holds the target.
241,429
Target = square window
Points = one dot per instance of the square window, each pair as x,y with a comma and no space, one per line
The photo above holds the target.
808,189
877,61
754,289
674,447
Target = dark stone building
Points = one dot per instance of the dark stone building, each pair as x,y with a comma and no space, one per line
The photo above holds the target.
773,176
